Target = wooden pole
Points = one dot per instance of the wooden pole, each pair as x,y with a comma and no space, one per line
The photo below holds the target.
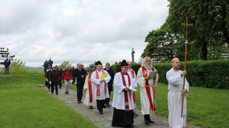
186,52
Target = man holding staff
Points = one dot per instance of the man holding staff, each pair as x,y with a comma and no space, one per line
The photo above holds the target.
175,86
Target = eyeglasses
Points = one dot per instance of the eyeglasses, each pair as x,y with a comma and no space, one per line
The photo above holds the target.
126,67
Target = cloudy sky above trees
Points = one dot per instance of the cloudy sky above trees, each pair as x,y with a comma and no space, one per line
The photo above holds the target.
78,30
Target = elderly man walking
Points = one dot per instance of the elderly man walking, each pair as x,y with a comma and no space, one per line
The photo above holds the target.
147,90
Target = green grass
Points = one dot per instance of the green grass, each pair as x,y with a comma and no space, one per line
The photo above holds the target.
24,106
207,108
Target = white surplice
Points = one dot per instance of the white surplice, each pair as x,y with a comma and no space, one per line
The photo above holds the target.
118,98
96,82
134,79
175,85
145,103
87,98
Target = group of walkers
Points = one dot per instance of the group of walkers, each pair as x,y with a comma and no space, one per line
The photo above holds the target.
99,83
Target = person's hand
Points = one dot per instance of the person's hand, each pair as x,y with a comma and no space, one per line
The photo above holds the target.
147,78
85,89
82,76
46,79
75,83
184,73
154,77
184,91
102,81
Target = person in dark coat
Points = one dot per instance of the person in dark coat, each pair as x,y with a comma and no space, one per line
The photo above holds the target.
110,87
54,79
60,72
7,63
47,74
78,76
45,65
50,62
72,70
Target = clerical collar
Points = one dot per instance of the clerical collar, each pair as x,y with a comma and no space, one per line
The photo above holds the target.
107,69
124,73
175,69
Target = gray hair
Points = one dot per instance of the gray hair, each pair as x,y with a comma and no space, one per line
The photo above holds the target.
144,63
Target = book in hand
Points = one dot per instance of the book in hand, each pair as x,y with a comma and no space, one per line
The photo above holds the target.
103,76
132,88
152,74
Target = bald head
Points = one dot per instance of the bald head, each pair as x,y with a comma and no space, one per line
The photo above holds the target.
176,63
129,64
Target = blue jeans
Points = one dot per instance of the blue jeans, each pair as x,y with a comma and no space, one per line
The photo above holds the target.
7,70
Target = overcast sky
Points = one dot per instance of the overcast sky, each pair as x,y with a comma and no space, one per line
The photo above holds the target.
78,30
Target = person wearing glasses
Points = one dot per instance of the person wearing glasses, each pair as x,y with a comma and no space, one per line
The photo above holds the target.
123,102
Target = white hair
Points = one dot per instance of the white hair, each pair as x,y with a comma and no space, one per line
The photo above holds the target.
144,63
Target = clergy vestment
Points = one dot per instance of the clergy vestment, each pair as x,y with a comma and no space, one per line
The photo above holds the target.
175,85
90,98
122,100
132,74
147,92
100,90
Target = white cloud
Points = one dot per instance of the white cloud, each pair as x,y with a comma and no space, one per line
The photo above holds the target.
79,31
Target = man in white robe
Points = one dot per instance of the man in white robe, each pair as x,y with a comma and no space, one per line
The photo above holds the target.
147,90
88,88
123,98
132,73
100,86
175,79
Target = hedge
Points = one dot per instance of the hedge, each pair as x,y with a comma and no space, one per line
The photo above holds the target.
210,74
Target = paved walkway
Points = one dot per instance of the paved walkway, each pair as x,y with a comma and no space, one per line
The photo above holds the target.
104,121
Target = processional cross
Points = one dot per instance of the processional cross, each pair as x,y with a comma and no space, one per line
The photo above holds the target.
186,50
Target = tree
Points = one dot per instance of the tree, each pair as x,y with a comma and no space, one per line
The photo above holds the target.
210,19
65,64
166,45
17,64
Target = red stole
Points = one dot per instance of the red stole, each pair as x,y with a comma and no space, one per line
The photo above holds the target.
152,105
132,74
90,87
125,92
98,86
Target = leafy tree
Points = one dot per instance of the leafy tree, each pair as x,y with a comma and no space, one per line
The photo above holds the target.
65,64
17,64
210,19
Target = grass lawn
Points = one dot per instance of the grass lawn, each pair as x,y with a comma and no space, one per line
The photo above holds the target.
24,106
207,108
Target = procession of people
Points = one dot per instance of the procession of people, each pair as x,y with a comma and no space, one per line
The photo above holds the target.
99,83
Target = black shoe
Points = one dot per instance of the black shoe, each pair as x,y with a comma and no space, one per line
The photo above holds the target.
56,93
100,112
151,121
146,122
79,102
108,105
135,114
90,107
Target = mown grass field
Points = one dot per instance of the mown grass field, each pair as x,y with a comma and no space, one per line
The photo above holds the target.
25,106
207,108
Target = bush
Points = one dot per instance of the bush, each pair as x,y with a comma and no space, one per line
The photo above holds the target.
210,74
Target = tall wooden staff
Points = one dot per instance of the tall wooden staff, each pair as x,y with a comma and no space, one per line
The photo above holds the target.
186,50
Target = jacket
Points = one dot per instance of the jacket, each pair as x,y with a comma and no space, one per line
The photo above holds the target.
67,75
54,76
